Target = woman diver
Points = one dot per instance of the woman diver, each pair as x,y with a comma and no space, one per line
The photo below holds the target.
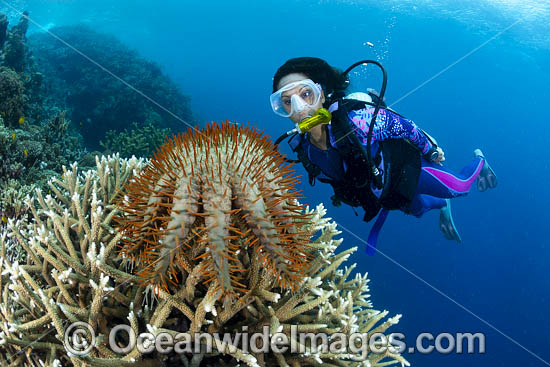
405,169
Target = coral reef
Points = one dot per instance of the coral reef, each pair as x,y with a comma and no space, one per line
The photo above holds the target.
9,170
93,93
37,137
29,156
30,151
3,29
12,200
32,154
140,141
12,100
71,273
73,250
21,93
15,47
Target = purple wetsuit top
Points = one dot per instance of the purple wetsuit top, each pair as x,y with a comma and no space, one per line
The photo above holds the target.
388,125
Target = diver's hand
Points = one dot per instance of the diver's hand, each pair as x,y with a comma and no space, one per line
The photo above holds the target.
440,156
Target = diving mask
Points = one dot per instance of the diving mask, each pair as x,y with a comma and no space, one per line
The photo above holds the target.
295,97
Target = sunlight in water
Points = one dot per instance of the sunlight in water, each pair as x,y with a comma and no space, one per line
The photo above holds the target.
484,16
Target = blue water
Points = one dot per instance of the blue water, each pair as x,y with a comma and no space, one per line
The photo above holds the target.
224,55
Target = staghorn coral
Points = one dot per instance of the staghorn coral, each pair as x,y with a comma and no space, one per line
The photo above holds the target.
62,240
12,199
140,141
72,274
207,195
12,206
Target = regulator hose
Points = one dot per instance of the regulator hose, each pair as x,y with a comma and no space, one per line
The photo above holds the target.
377,175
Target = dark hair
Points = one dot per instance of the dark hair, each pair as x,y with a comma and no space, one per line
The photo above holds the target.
332,80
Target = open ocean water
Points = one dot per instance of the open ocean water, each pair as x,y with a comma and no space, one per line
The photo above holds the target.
473,73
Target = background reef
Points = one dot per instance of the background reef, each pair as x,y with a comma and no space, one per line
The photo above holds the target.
95,94
58,107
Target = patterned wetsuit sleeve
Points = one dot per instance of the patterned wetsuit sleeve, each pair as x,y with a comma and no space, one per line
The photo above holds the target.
389,125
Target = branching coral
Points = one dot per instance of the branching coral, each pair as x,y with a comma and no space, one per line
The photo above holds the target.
12,199
13,196
71,274
68,246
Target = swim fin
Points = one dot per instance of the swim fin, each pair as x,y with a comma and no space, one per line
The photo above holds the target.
487,178
447,225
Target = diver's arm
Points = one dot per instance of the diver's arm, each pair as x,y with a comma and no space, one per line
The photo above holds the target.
389,125
402,127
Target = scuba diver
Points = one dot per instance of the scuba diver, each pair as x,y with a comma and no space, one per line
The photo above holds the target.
372,156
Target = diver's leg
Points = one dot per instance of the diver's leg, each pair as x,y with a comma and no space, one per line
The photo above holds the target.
442,182
423,203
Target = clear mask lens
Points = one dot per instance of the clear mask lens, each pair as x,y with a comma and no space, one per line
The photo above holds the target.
298,104
294,97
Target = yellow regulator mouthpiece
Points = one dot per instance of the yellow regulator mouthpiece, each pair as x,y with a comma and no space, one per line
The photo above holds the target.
322,116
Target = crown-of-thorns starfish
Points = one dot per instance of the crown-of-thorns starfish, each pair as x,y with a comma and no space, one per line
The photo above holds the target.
215,197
